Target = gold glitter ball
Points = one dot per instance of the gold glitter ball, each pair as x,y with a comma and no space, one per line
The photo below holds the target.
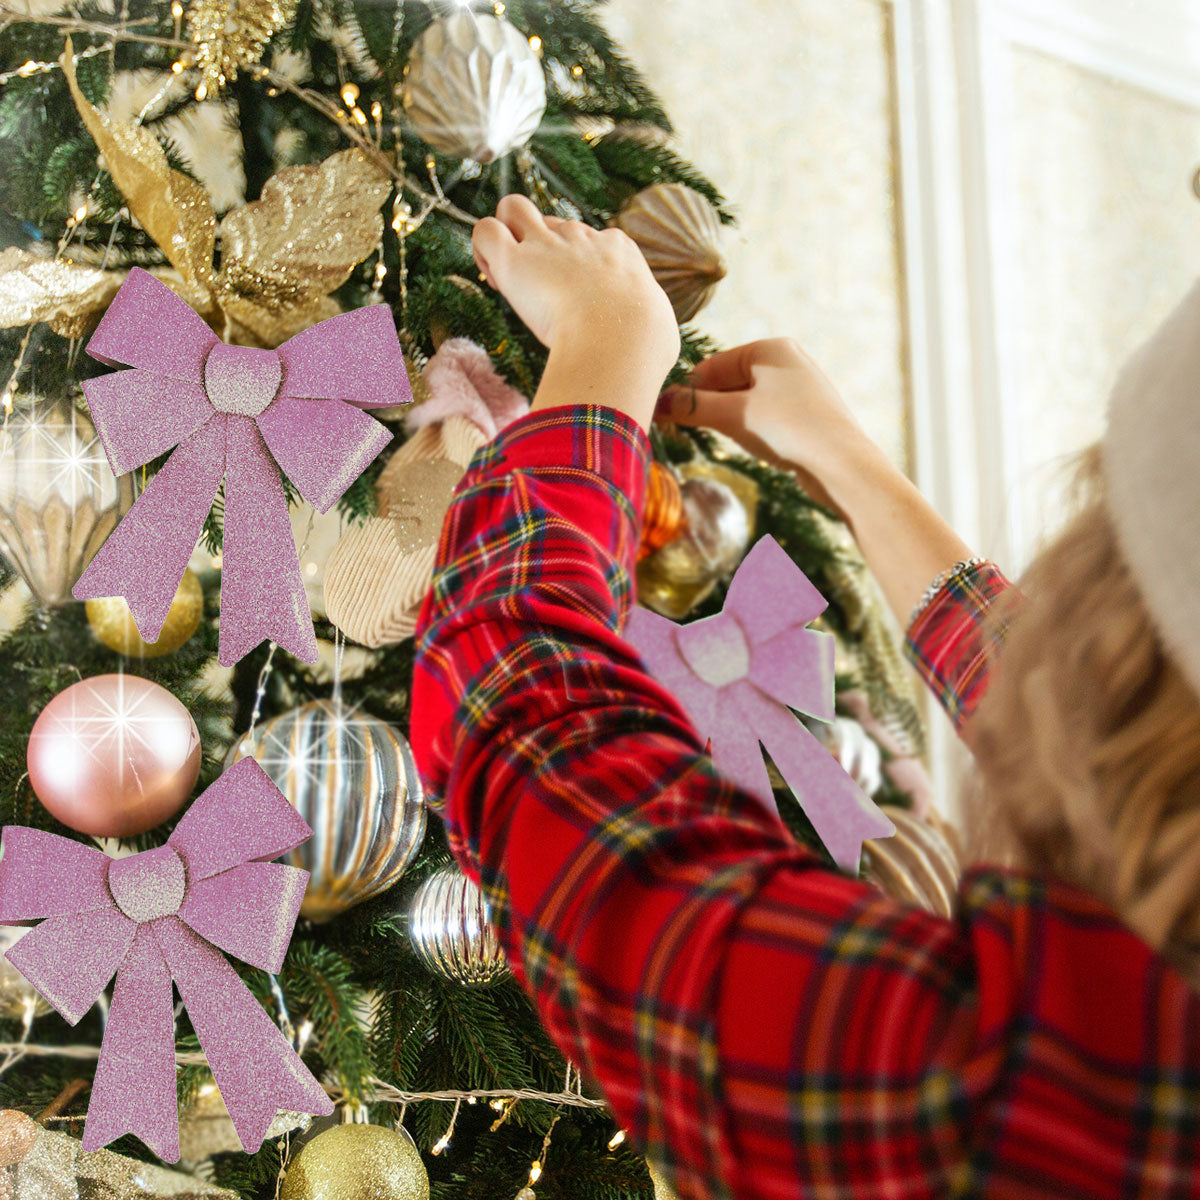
357,1162
112,622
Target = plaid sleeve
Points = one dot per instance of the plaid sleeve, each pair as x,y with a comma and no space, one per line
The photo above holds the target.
701,966
763,1027
946,641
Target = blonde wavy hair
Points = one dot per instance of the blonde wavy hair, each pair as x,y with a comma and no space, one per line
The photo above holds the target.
1087,741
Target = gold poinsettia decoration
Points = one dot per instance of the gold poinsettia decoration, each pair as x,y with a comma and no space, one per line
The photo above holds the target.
281,255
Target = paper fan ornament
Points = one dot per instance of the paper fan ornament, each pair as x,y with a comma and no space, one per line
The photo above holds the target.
379,571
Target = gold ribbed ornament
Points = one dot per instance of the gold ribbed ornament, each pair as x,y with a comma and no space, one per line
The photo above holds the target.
59,499
680,235
917,864
357,1162
113,623
232,34
450,929
353,778
474,87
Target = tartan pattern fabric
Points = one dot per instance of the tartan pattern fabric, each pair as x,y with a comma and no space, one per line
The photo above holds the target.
948,647
763,1027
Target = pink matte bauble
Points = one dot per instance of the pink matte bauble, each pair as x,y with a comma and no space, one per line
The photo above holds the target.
113,755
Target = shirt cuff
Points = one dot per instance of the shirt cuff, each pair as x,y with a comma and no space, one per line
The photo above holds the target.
588,437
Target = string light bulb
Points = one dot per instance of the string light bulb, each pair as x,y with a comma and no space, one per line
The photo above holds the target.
535,44
577,70
535,1171
176,10
616,1139
202,92
349,94
441,1143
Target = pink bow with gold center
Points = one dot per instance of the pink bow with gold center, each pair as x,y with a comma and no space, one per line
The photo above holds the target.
159,917
737,674
240,414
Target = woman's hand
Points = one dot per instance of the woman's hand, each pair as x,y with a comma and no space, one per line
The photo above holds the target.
773,400
588,295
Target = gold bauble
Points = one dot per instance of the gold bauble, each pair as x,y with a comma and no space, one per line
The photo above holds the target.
112,622
662,1189
357,1162
720,506
678,232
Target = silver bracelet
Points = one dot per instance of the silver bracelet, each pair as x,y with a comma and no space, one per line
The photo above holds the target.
940,582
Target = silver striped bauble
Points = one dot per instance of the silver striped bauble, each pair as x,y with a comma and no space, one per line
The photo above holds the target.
450,930
353,778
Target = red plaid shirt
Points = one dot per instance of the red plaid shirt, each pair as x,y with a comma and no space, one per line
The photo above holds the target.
762,1026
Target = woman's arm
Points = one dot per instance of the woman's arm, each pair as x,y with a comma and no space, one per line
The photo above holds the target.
761,1025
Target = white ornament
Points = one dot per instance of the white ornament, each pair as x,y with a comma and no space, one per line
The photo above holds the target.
474,87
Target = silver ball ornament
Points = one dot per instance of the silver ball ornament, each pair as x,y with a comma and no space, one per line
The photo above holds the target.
450,930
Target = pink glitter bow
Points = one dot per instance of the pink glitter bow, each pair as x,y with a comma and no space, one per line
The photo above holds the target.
736,674
233,412
160,916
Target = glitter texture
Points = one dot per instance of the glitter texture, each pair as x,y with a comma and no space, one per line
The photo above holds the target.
704,665
149,918
57,1168
241,379
244,428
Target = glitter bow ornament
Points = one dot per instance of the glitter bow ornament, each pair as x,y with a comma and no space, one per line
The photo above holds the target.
238,413
157,917
737,674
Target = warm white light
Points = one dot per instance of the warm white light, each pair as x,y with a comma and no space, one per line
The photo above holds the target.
535,1172
616,1139
535,44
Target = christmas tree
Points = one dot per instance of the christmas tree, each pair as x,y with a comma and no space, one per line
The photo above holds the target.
275,162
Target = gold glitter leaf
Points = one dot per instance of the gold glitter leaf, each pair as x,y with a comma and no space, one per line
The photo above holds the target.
174,210
282,254
62,293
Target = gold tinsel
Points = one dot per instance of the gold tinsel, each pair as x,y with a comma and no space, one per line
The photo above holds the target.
232,34
281,256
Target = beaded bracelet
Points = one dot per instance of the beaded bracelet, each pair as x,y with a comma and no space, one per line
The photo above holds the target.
940,582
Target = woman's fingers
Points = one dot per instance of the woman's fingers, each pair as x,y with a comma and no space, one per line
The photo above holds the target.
733,369
491,242
521,215
722,410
